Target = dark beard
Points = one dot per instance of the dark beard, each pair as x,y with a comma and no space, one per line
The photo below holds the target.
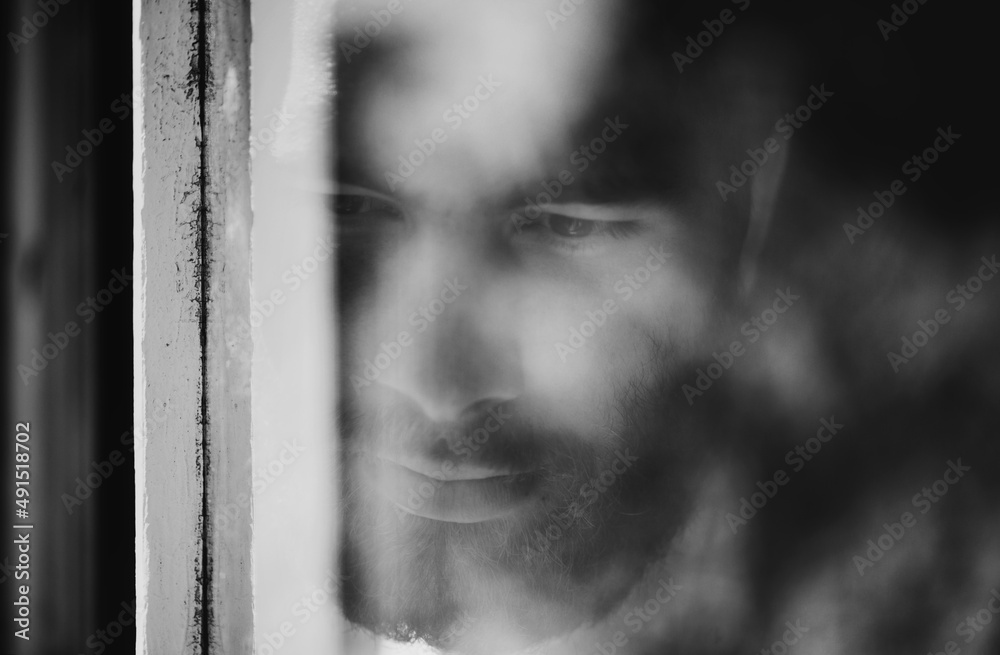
540,575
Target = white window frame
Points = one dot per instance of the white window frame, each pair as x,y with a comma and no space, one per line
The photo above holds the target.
192,288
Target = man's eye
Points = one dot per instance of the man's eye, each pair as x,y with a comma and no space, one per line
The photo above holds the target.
566,226
570,227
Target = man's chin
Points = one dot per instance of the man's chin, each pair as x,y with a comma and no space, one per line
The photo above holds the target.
456,592
567,559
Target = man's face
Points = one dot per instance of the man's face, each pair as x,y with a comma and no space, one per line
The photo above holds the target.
523,280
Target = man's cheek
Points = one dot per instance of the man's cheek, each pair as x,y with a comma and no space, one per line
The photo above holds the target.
561,330
562,354
581,394
673,309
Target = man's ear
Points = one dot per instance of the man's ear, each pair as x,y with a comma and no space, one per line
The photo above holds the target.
765,189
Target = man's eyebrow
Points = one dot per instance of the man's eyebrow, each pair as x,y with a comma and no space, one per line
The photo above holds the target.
646,211
605,211
613,183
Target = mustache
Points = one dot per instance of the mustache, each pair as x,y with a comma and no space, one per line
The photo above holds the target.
505,436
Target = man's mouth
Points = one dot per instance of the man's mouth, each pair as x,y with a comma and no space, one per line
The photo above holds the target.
454,495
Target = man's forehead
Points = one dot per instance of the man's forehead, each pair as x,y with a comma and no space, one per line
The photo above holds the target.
451,39
466,102
486,93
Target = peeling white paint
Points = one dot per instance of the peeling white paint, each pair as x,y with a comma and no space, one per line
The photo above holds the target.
231,96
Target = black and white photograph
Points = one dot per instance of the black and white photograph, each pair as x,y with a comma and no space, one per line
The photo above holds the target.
499,327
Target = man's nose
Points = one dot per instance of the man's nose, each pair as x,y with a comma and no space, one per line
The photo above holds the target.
463,357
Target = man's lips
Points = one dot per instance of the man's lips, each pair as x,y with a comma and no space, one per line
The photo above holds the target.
459,494
451,469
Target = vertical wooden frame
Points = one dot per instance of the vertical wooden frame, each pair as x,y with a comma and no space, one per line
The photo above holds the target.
192,361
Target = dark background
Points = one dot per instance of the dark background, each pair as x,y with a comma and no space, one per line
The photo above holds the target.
83,564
